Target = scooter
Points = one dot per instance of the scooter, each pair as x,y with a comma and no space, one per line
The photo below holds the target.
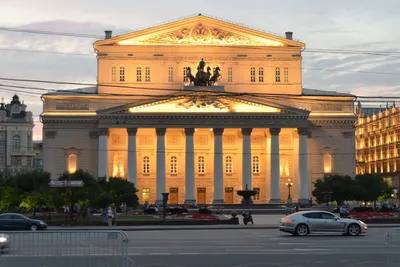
247,217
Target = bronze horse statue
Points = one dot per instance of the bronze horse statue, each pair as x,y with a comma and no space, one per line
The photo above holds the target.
190,76
215,76
202,78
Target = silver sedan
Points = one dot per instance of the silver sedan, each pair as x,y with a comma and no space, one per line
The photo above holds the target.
309,222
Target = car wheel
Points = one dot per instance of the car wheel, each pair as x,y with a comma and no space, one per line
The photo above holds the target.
33,227
353,229
301,230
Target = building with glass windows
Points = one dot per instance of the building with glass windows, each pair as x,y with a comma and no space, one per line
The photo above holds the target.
201,107
16,146
377,142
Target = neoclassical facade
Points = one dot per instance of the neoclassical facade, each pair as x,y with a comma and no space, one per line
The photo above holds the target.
155,120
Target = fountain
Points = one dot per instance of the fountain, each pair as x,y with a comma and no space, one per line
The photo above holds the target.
247,194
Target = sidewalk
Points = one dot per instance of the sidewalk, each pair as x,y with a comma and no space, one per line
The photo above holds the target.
260,222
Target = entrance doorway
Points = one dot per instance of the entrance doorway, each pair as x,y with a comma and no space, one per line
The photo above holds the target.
173,195
201,195
228,199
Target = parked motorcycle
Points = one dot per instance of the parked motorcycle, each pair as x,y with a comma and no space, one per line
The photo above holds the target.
247,217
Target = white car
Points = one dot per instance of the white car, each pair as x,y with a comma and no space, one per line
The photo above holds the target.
309,222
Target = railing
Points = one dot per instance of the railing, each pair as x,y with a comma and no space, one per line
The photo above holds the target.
65,248
393,242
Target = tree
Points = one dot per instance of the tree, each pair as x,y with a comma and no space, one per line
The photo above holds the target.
120,191
374,186
8,198
340,188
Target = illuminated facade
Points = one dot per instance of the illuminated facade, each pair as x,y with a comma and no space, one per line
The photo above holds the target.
377,142
148,123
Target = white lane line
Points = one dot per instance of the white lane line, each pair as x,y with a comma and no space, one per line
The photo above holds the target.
189,253
311,249
295,244
160,253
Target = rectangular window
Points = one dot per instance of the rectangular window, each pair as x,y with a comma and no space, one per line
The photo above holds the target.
29,161
230,74
286,74
278,74
170,74
146,194
261,75
200,163
139,74
228,165
185,74
147,73
257,196
113,73
122,74
256,164
174,167
252,74
16,160
146,165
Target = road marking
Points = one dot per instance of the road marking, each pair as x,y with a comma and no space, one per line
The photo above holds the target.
311,249
160,253
189,253
295,244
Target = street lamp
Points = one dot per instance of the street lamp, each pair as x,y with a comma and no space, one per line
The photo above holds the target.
289,184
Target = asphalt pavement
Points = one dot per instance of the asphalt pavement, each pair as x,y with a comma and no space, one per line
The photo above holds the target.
219,248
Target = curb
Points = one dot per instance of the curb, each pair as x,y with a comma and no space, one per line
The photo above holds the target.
193,228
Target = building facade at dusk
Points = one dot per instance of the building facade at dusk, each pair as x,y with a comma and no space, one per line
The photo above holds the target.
378,142
16,145
156,120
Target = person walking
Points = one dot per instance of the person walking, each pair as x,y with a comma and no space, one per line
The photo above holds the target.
110,216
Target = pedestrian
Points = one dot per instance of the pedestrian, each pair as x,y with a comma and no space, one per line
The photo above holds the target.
110,215
114,220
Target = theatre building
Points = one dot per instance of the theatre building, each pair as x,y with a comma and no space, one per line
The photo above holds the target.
200,108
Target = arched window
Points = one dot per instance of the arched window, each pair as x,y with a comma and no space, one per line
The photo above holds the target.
16,143
118,166
146,165
228,164
174,167
113,73
122,74
170,74
201,167
327,163
72,163
256,164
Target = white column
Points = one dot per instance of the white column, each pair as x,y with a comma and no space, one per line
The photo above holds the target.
246,159
218,167
189,169
103,153
303,165
132,160
160,176
275,166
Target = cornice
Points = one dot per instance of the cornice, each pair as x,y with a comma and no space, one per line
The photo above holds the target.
166,58
66,120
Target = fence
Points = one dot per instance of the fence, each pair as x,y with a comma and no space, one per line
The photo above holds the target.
393,242
65,248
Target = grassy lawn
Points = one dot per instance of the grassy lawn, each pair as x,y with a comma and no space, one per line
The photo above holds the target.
58,218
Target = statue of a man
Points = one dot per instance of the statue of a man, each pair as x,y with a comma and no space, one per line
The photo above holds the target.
202,64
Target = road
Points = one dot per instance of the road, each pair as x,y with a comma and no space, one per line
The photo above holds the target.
219,248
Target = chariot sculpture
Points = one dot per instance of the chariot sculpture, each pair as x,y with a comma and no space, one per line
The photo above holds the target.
203,78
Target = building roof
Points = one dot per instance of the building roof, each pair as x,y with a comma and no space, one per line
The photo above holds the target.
314,92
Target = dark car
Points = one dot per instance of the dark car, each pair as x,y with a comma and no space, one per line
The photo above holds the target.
176,210
15,221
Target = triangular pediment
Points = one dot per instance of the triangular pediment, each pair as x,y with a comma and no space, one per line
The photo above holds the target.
200,30
203,103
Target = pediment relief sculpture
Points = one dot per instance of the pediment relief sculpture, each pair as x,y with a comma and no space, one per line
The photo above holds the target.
202,34
203,103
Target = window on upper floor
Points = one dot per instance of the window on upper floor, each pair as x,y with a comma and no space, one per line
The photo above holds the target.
261,74
170,74
228,165
16,143
16,160
147,74
201,165
185,79
29,161
252,74
286,74
230,74
174,165
146,165
72,163
122,74
277,74
113,73
139,74
256,164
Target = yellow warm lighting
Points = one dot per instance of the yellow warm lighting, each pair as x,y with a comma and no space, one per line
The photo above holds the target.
72,163
52,113
327,163
118,166
331,114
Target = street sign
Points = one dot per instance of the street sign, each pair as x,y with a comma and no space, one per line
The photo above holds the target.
66,183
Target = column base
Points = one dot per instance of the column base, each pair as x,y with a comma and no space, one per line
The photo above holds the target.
218,201
189,201
275,201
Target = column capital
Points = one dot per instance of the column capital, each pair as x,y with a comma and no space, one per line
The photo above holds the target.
247,131
218,131
274,131
189,131
302,131
161,131
103,131
132,131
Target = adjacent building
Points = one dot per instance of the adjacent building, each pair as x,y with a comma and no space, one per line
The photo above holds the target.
378,142
200,108
16,147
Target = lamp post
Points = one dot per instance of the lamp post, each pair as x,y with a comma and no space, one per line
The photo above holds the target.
289,184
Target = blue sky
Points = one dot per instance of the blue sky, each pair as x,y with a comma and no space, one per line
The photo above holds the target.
366,25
